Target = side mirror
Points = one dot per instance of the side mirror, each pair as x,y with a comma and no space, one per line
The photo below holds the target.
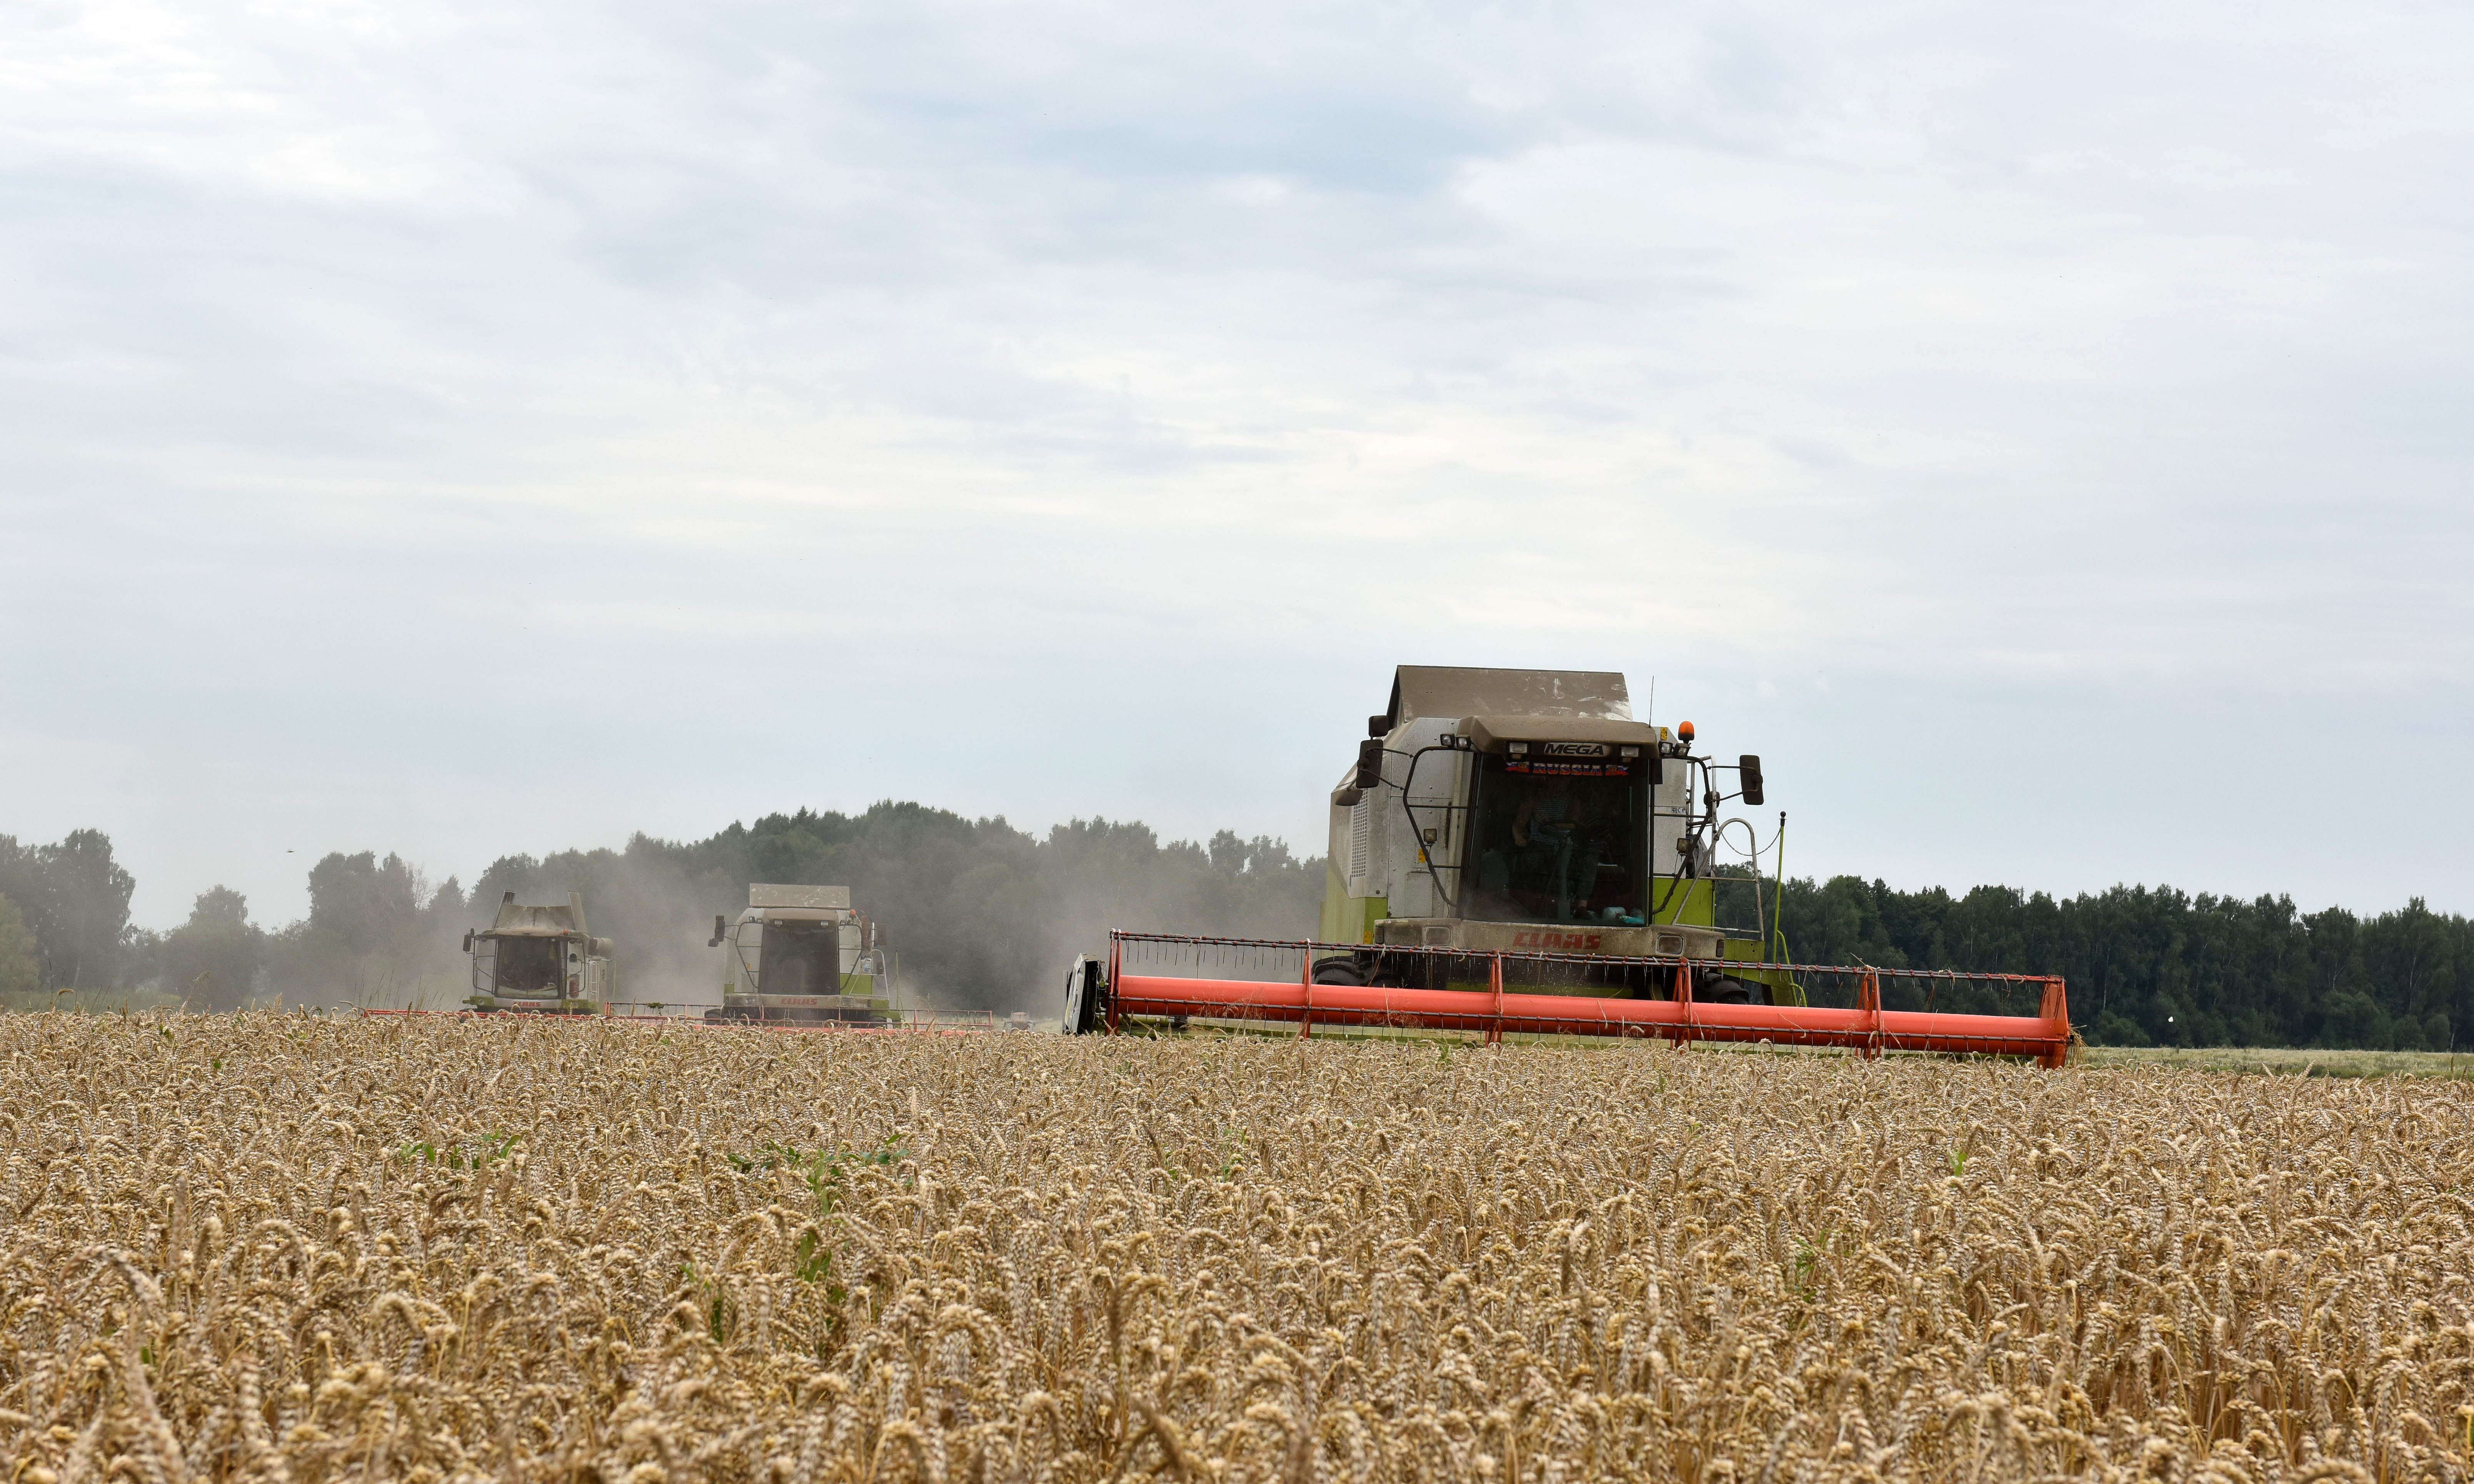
1378,726
717,931
1748,772
1369,763
467,940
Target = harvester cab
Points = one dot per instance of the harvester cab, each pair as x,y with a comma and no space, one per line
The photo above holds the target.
800,954
539,960
1527,811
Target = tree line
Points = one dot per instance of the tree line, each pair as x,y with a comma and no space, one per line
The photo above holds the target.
2157,966
375,931
985,916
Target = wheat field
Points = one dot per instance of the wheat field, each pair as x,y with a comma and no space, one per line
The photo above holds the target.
296,1249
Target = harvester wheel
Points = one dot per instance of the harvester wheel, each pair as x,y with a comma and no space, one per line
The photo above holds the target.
1726,989
1337,969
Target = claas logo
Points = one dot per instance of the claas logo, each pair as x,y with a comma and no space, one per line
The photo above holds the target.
1559,942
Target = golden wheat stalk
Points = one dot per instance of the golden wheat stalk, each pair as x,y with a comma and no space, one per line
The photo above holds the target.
296,1249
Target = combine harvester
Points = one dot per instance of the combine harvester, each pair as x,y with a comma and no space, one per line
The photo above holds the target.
800,956
1512,852
540,960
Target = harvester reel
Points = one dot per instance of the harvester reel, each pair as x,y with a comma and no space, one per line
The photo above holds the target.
1555,993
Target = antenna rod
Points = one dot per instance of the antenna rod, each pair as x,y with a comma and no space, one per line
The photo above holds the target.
1778,897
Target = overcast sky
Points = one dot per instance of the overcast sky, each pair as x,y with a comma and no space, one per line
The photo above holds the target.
464,429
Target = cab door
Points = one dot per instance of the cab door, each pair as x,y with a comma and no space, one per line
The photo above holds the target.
746,952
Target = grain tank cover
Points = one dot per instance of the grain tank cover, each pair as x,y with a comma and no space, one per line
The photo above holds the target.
809,899
1452,692
1598,735
516,920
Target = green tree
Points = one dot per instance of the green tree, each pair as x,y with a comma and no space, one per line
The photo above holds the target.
2154,965
213,960
21,967
75,896
378,933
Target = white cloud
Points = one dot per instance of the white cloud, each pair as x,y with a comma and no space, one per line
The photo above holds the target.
1896,383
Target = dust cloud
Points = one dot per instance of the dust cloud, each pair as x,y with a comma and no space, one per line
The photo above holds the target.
983,915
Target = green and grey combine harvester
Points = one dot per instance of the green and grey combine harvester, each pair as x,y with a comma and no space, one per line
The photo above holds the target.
801,954
1514,851
539,961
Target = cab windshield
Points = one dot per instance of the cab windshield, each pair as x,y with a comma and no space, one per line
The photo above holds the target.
529,965
800,958
1556,842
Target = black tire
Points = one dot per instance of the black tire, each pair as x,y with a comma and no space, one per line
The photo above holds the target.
1339,969
1394,971
1727,989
